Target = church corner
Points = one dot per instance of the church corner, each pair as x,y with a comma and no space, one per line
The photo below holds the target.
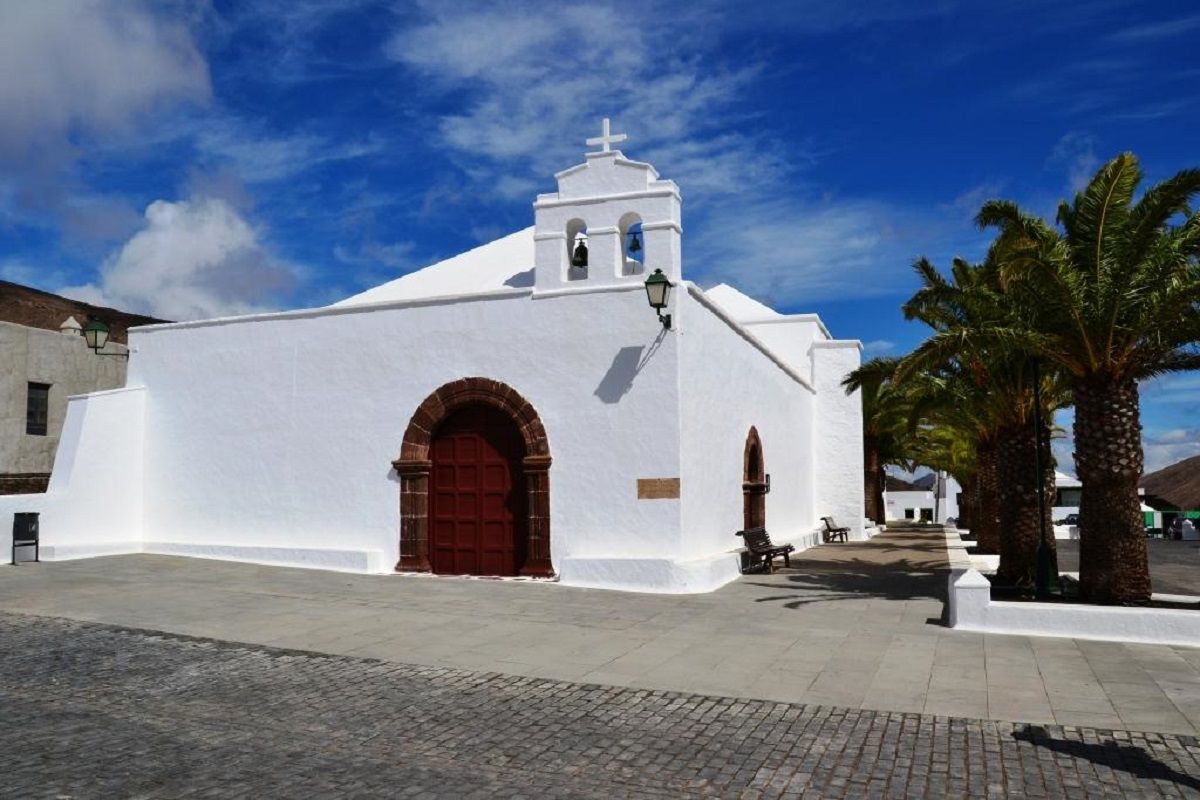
518,410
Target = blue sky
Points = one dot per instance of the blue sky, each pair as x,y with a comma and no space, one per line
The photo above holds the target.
192,159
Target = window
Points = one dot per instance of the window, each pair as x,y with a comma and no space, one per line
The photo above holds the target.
909,513
1069,497
37,404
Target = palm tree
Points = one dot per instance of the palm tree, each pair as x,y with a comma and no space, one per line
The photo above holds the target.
951,404
963,312
1114,293
886,433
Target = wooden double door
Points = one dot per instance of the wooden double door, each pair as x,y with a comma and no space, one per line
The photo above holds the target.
478,515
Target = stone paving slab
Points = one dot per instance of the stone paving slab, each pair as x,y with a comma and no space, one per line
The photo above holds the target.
93,711
856,625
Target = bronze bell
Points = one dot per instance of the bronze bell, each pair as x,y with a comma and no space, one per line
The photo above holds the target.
635,243
579,259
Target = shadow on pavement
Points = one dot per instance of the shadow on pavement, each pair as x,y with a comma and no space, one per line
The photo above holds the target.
1127,758
813,581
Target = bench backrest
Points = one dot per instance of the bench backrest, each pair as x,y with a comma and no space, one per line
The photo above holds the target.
756,539
830,524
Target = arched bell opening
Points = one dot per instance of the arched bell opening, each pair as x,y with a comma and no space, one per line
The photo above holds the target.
577,250
755,483
633,245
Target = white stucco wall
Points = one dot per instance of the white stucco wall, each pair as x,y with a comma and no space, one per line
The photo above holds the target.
791,338
838,450
277,434
93,505
942,509
726,386
898,502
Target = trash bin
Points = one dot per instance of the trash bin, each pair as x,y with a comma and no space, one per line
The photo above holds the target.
25,534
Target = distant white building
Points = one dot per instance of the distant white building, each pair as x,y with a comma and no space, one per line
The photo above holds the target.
933,497
1067,491
515,410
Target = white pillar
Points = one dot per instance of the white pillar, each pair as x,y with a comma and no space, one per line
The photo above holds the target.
838,427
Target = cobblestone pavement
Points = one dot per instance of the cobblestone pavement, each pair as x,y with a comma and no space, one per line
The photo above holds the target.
94,711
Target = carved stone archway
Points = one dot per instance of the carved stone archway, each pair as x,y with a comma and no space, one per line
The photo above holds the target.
414,465
754,483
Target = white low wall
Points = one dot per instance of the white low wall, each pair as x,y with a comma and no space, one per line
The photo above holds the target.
372,561
972,609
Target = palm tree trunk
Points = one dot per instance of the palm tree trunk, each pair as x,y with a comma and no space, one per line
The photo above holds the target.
987,520
1108,454
1022,517
873,479
1018,505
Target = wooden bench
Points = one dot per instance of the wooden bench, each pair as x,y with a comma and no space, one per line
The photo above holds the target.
833,532
761,547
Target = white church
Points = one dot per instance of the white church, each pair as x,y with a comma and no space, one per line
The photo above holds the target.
518,410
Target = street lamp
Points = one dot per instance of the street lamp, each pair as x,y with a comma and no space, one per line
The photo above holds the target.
95,333
658,292
1046,575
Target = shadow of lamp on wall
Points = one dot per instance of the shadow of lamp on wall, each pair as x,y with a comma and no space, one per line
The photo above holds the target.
95,333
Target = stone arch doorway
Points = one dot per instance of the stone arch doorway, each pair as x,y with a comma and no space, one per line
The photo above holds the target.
466,428
754,483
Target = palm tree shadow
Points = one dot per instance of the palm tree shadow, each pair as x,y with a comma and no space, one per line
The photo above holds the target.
1126,758
813,580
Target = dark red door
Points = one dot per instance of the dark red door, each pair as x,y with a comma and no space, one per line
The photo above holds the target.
477,494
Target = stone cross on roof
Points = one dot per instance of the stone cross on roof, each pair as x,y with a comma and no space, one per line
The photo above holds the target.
605,138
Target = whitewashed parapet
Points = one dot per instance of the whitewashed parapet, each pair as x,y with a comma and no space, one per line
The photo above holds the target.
972,609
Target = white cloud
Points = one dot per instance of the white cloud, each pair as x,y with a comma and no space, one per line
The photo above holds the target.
1155,31
1075,154
878,347
788,253
528,82
258,157
88,65
536,78
75,72
1162,449
193,259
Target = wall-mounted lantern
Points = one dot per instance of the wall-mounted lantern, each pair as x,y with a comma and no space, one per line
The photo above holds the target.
658,292
95,333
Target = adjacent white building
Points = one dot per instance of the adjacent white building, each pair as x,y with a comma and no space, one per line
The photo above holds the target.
509,411
933,497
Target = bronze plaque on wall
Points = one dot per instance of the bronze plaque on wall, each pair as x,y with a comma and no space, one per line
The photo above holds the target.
658,488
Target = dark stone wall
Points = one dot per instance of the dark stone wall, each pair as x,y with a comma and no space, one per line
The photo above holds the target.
37,309
24,482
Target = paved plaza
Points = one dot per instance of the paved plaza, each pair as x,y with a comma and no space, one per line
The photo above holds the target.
835,678
94,711
854,625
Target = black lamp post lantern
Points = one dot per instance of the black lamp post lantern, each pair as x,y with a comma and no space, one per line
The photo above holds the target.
95,333
658,292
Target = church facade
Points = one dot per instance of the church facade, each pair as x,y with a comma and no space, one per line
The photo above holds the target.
518,410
